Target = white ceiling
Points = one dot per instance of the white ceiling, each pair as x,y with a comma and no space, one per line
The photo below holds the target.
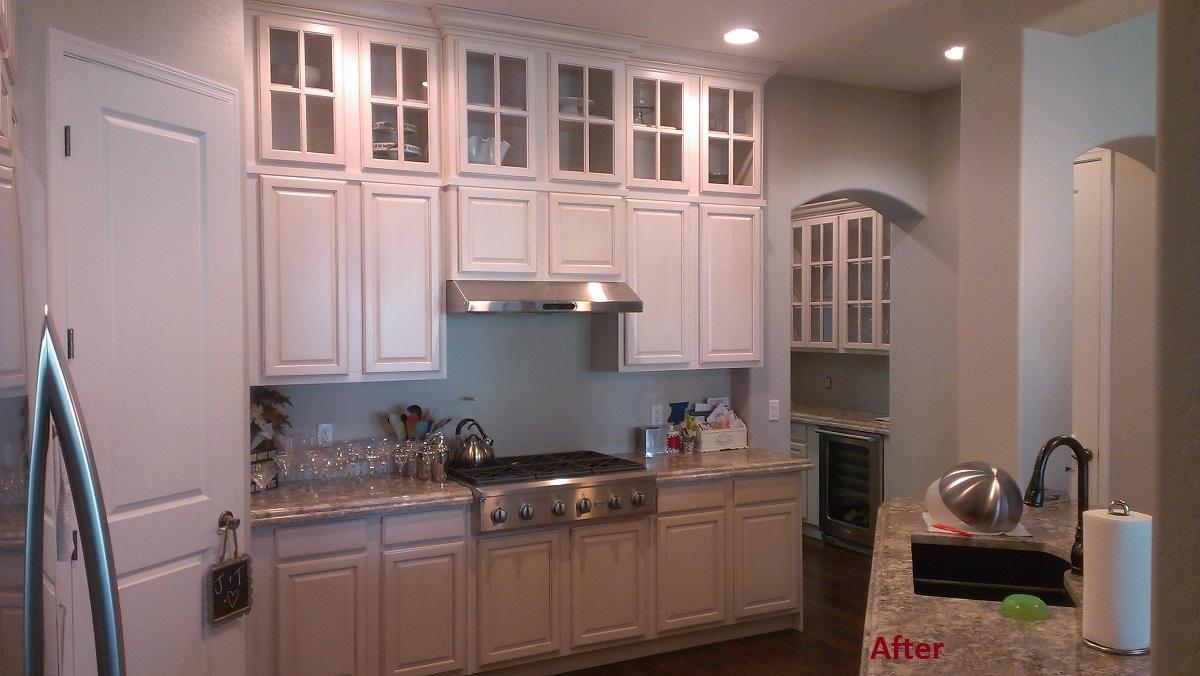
896,44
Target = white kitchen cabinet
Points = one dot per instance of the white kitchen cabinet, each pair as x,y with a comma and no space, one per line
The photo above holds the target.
300,91
765,558
661,143
610,582
730,274
731,138
402,290
424,609
6,113
12,334
497,107
587,108
398,101
304,305
586,235
841,278
662,271
497,232
322,615
518,594
691,569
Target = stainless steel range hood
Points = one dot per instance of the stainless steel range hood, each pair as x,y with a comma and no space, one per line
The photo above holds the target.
470,296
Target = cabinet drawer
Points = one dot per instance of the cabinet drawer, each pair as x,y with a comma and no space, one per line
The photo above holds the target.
441,524
799,432
706,495
764,489
321,538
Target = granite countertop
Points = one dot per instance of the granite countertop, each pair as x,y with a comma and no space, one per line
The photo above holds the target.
300,501
682,467
977,638
863,421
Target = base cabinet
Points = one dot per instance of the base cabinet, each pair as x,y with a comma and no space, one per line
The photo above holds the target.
765,538
609,582
322,616
518,596
691,570
424,609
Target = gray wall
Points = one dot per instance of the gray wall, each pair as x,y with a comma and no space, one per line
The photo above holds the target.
532,387
860,381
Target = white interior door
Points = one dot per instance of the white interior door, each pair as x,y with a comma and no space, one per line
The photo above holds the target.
150,279
1091,316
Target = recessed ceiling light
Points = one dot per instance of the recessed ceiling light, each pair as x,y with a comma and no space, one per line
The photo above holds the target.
741,36
955,53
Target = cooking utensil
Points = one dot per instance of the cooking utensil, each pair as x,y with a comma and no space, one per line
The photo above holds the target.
982,496
474,451
397,423
439,425
952,529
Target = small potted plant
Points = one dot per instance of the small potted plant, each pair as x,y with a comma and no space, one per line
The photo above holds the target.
268,422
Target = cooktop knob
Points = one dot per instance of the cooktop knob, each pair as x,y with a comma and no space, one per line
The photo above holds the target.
584,505
639,500
526,512
614,502
559,508
499,515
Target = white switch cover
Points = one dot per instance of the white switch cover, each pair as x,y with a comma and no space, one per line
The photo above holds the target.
773,409
324,434
656,414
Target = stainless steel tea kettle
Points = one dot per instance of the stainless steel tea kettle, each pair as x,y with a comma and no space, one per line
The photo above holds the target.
474,451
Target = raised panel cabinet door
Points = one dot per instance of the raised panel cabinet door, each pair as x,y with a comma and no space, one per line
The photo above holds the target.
609,582
401,279
765,559
730,284
518,596
497,231
304,279
322,616
12,322
690,570
424,609
587,235
662,271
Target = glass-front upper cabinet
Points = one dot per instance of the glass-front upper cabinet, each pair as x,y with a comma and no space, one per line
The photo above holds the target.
399,101
814,282
586,106
300,91
496,94
866,277
661,129
730,149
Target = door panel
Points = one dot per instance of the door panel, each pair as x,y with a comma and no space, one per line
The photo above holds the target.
151,284
587,235
765,559
401,289
730,284
322,616
12,335
690,571
304,285
497,231
609,582
662,271
424,609
518,596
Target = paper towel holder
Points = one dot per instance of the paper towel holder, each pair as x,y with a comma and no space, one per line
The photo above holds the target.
1117,508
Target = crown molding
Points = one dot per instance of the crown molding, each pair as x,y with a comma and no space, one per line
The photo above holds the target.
760,69
451,20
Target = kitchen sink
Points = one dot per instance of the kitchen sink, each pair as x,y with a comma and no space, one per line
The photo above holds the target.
988,574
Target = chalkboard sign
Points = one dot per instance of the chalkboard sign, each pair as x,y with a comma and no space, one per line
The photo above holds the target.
229,589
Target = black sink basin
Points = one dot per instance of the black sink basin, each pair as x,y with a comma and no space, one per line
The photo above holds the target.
988,574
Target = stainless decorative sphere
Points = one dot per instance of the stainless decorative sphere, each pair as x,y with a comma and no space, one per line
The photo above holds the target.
984,497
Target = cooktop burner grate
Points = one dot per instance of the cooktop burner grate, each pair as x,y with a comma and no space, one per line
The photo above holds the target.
545,466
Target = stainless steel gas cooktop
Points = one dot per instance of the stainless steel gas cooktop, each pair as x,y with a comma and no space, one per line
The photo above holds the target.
554,488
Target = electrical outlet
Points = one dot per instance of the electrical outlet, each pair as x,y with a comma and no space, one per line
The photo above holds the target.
773,409
656,414
829,382
325,434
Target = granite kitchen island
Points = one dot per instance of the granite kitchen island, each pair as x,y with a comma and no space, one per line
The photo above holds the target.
975,636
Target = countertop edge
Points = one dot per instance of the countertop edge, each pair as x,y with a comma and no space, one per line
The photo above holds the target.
321,512
872,426
716,473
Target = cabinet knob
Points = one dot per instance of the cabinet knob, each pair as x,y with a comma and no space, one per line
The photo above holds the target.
499,515
559,508
614,502
526,512
584,505
639,500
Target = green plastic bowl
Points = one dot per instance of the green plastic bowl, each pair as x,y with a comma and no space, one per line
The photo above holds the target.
1025,607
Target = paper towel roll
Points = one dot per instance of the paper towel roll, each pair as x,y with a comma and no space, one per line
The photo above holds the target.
1116,579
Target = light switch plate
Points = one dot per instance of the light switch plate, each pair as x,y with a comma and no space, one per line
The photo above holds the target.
656,414
324,434
773,409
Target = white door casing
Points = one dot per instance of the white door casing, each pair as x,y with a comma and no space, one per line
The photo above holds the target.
146,269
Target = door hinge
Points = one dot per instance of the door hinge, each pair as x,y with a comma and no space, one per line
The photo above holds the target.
67,140
70,343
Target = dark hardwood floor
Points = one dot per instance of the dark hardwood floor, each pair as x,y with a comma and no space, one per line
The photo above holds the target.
835,600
